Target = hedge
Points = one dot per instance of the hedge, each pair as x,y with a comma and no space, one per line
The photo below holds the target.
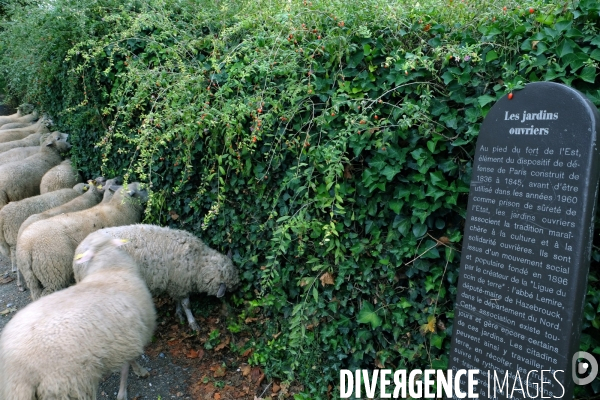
328,144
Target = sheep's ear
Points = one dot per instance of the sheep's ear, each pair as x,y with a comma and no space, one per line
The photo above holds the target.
119,242
222,290
84,257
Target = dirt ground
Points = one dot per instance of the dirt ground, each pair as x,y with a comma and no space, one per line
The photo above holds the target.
182,364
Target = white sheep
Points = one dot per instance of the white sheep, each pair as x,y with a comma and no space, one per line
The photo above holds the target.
18,153
59,177
20,133
15,213
45,248
35,139
174,262
95,194
21,179
18,117
61,346
13,125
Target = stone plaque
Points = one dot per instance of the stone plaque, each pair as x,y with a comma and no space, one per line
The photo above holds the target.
527,243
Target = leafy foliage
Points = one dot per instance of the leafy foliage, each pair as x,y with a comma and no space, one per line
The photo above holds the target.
328,144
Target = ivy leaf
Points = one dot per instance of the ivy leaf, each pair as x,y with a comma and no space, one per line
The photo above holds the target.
491,56
419,230
485,99
588,74
367,315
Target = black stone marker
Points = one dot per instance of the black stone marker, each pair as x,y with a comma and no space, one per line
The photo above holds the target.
527,243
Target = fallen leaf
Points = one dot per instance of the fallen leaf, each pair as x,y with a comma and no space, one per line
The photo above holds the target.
379,364
275,388
326,279
275,336
217,396
8,311
6,279
534,44
192,354
223,344
173,215
348,171
444,239
249,320
245,370
247,352
256,375
220,371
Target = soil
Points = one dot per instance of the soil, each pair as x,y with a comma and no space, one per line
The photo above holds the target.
182,364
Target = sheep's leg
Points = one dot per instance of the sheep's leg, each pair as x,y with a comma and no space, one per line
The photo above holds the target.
123,386
179,311
13,260
137,369
185,303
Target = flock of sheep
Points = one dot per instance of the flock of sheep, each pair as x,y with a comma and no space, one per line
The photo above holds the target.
57,231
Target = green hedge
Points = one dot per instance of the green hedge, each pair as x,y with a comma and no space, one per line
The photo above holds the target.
328,144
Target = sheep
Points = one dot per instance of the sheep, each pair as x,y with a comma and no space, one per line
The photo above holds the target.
59,177
61,346
13,125
14,213
18,153
45,248
35,139
95,194
18,117
174,262
20,133
21,179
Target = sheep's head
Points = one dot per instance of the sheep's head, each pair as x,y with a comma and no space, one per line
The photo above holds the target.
81,188
223,275
57,141
93,246
131,192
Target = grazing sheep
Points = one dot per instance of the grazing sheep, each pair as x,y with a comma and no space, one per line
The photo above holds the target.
45,248
95,194
10,135
60,177
35,139
18,117
14,125
21,179
61,346
14,213
174,262
18,153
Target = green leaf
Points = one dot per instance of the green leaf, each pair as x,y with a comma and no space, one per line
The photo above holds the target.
367,315
419,230
588,74
485,99
491,56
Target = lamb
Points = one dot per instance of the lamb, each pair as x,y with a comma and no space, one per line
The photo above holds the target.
35,139
95,194
59,177
18,153
174,262
14,213
45,248
60,346
21,179
20,133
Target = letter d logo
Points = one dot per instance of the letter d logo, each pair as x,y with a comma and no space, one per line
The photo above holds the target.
578,369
